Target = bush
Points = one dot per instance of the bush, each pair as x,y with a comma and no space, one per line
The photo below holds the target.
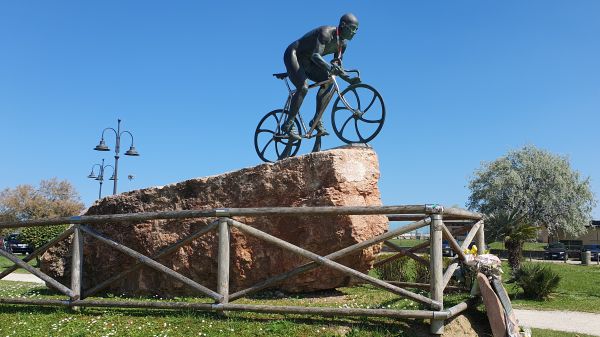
422,271
405,269
397,270
39,236
537,281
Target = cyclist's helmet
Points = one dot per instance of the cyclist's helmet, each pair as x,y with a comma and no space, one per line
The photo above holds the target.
348,26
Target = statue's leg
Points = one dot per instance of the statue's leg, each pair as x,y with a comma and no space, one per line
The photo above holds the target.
323,98
298,77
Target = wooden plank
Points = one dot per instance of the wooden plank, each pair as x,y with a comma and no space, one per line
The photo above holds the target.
152,264
76,263
480,238
223,266
229,212
435,269
471,235
448,274
223,258
401,254
334,265
453,244
425,286
454,212
407,252
323,311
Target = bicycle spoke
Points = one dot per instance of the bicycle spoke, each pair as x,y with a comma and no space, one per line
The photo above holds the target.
370,104
358,132
344,125
357,98
262,153
265,130
370,120
277,118
343,107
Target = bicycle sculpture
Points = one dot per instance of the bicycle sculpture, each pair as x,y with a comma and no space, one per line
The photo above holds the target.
358,111
357,116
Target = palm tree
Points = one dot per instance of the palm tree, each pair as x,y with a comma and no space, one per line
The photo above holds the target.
513,228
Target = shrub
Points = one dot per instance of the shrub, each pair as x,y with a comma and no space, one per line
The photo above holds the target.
537,281
396,270
39,236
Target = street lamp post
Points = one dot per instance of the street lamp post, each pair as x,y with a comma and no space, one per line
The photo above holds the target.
100,176
131,152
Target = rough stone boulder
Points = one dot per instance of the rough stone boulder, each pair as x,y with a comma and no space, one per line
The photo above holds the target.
340,177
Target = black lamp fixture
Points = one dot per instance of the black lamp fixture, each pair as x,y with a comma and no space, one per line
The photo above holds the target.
103,147
100,176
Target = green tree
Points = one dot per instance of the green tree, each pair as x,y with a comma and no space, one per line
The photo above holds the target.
52,198
526,190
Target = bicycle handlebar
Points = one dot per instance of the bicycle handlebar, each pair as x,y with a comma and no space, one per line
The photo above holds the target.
353,71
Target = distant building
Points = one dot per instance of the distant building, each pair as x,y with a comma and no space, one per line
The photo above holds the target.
592,236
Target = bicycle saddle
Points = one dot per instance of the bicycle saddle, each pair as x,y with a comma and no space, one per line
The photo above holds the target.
281,76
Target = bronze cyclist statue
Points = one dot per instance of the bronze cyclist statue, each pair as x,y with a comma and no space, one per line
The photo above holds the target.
304,60
358,112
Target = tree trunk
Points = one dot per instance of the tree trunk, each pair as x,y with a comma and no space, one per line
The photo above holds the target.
515,251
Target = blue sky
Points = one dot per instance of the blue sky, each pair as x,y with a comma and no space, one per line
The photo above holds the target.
463,81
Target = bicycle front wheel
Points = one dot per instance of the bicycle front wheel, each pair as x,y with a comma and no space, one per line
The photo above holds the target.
361,117
269,142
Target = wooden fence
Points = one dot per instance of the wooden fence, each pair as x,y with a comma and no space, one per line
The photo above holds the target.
442,222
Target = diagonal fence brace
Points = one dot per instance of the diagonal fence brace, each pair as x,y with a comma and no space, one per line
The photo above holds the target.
163,252
152,264
334,265
37,273
333,256
39,251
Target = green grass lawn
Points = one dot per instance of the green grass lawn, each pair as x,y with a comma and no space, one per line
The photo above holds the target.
535,246
579,289
5,263
52,321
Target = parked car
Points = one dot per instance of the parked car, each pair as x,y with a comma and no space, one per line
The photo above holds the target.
594,249
14,245
573,247
555,251
447,249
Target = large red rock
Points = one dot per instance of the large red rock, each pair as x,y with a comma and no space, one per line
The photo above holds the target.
339,177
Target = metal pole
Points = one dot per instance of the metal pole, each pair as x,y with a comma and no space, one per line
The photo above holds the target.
101,179
435,270
117,148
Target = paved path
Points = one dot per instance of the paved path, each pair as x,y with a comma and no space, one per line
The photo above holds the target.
23,278
571,321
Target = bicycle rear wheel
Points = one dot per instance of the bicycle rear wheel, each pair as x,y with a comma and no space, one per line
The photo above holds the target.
363,121
270,142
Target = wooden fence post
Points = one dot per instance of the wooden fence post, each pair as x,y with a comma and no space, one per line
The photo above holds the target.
223,268
436,270
481,238
76,263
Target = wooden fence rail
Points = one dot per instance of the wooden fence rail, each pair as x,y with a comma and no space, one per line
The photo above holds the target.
422,215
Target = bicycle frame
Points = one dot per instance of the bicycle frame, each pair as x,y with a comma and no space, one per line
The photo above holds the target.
308,133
